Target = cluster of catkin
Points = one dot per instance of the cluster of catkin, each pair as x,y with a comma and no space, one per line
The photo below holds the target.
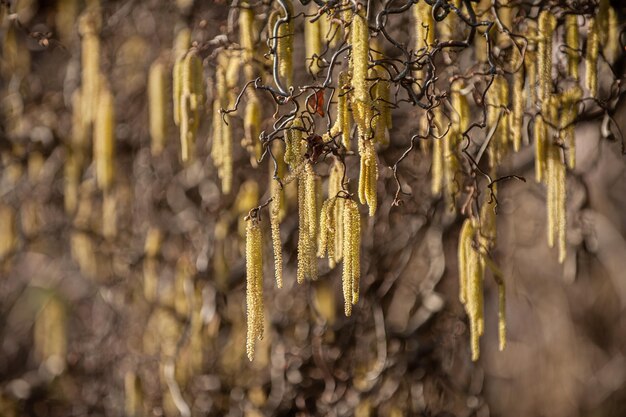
93,118
505,107
476,239
188,90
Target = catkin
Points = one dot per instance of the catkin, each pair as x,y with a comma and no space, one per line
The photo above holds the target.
424,31
571,99
90,61
351,254
328,230
293,144
571,42
497,99
221,149
104,139
547,23
436,170
612,47
254,285
275,208
464,257
283,44
157,106
334,188
516,118
530,64
343,121
540,134
313,41
359,39
591,57
181,45
252,127
307,227
247,33
368,175
191,101
133,395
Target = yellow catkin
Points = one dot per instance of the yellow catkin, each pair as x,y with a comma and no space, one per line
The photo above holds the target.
424,31
90,61
7,231
293,144
591,57
157,107
313,41
275,206
547,24
104,139
351,254
252,127
555,181
368,176
284,46
191,102
359,39
343,121
475,306
50,335
328,230
540,134
571,42
382,113
464,256
246,32
442,134
334,188
571,99
221,149
612,48
307,227
133,395
460,123
254,285
497,98
530,64
182,42
516,118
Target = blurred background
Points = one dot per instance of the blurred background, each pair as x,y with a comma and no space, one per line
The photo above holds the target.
133,303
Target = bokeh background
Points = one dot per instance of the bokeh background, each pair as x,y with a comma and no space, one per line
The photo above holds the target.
150,320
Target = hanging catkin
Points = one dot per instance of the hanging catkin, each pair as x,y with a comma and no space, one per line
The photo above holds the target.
104,138
157,107
547,23
191,101
313,40
334,188
89,27
275,206
359,39
181,46
591,57
351,254
254,284
424,32
307,226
